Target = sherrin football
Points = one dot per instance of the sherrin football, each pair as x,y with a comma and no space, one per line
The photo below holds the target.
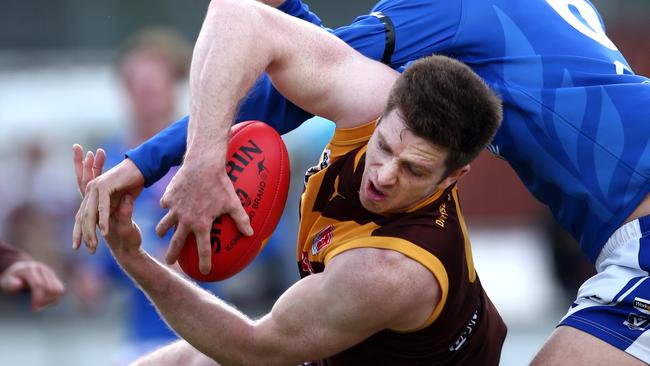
258,167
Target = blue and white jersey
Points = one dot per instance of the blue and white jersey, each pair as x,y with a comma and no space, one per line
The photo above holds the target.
576,120
576,117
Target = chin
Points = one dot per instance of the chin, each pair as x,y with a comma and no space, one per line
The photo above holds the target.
371,206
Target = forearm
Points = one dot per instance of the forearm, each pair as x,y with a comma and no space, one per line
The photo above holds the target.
207,323
367,34
310,67
218,83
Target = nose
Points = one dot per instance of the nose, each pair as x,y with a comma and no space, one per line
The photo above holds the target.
387,174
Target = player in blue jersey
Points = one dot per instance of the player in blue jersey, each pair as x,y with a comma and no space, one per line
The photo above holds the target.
575,130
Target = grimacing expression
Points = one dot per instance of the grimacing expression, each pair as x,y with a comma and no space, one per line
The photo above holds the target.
402,169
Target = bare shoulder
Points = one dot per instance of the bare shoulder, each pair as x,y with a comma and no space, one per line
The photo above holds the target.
404,290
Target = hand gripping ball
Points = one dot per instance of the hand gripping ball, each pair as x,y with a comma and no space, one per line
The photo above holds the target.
258,167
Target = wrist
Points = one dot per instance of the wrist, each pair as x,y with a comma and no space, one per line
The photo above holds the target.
206,160
130,172
130,258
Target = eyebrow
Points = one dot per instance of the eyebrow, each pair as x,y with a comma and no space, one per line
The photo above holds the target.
418,166
381,138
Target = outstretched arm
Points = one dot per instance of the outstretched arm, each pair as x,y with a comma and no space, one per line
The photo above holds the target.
385,290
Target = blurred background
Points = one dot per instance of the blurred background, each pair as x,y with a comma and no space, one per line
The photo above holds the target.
111,74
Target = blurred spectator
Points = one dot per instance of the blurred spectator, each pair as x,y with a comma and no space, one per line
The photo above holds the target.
36,203
151,65
19,272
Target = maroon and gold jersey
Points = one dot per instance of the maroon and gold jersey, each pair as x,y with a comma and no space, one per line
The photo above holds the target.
464,327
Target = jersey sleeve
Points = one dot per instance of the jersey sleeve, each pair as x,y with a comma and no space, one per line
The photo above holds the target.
157,155
422,27
298,9
164,150
345,140
410,250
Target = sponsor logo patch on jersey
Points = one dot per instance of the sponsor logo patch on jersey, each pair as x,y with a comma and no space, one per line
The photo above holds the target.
637,322
642,305
322,239
469,328
305,264
494,149
322,164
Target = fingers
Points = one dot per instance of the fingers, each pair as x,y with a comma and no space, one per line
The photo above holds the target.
164,201
204,250
93,205
100,159
166,223
89,168
76,231
77,160
87,174
104,210
86,169
10,283
241,219
176,244
89,219
45,286
179,239
103,198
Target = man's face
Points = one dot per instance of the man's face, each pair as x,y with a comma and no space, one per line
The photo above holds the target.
150,84
401,168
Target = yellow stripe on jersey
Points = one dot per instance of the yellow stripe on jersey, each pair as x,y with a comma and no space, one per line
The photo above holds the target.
420,255
360,154
468,246
426,201
343,141
348,139
307,216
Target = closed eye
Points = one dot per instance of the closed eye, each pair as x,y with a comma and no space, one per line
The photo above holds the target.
382,145
413,171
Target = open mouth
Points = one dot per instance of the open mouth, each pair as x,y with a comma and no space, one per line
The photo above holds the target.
374,193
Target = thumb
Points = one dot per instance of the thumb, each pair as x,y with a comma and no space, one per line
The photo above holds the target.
164,201
11,283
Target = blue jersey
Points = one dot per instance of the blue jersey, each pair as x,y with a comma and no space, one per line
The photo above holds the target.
575,116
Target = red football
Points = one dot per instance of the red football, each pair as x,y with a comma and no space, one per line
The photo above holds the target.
258,167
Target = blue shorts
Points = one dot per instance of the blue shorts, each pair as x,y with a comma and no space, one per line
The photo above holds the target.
614,305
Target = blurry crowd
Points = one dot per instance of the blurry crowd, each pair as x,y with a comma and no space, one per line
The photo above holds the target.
39,201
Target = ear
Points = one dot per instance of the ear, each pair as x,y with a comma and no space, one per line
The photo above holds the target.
453,177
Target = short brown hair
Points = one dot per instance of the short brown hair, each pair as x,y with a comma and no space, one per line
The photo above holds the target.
444,101
164,42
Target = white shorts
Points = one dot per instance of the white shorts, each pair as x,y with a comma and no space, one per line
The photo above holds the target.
614,305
